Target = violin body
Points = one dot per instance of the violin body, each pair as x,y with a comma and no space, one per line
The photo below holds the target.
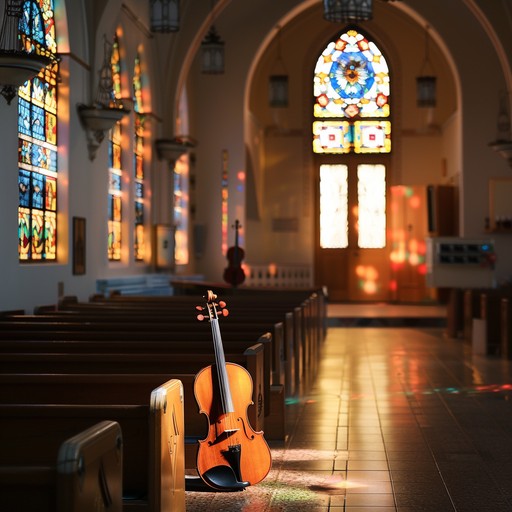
231,444
233,455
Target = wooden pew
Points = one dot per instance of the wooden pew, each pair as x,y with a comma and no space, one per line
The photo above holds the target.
140,363
153,475
78,474
312,304
168,341
271,302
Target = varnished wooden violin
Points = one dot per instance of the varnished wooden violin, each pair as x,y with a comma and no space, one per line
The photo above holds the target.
233,455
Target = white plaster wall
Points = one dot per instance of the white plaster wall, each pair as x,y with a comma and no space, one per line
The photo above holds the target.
216,108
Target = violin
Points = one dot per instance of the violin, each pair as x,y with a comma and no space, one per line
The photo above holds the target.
233,455
234,273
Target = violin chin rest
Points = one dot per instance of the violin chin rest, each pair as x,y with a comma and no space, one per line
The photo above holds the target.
223,478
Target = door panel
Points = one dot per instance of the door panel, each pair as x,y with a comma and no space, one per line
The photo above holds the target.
352,254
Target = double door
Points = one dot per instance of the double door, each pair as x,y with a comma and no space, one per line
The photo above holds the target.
352,256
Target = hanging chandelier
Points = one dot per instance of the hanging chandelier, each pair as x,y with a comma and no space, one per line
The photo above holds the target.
212,49
340,11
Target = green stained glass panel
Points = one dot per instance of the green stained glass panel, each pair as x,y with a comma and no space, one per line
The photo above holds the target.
50,239
37,235
24,233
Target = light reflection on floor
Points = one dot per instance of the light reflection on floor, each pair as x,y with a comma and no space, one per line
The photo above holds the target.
399,419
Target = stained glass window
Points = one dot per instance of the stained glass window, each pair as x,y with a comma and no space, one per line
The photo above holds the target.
181,200
351,88
371,193
37,140
115,167
333,206
138,162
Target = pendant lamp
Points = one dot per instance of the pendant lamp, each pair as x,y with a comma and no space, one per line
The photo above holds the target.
341,11
278,80
212,50
426,81
164,15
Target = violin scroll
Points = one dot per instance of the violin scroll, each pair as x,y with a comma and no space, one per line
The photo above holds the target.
215,309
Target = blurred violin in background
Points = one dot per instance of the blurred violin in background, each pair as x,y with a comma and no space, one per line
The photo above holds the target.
234,273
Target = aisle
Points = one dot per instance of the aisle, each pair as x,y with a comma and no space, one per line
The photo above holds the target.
399,420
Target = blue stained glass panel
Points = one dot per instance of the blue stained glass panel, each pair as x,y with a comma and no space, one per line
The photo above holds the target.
24,187
351,79
37,190
31,23
139,213
139,190
38,117
53,160
115,181
110,206
24,117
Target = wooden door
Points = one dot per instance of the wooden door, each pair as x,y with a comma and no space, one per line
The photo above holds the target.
352,253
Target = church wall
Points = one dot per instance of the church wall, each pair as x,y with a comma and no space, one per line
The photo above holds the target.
283,186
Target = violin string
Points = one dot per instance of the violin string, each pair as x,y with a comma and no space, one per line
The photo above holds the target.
227,405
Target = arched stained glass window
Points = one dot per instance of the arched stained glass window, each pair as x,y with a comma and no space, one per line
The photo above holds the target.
138,162
351,89
37,140
115,166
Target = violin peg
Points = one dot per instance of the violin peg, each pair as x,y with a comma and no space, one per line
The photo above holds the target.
200,317
199,308
225,312
222,304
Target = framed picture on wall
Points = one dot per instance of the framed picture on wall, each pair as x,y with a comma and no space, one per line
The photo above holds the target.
78,246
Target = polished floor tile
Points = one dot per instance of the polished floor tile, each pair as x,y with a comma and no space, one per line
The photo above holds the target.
398,420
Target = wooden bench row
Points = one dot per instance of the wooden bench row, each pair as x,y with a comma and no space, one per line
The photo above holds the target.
79,473
148,450
147,354
493,306
295,339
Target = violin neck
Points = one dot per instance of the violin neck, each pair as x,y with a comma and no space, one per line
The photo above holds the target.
236,234
220,361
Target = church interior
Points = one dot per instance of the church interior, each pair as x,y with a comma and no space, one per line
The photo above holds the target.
336,175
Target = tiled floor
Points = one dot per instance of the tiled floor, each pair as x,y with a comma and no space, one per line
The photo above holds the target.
399,419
